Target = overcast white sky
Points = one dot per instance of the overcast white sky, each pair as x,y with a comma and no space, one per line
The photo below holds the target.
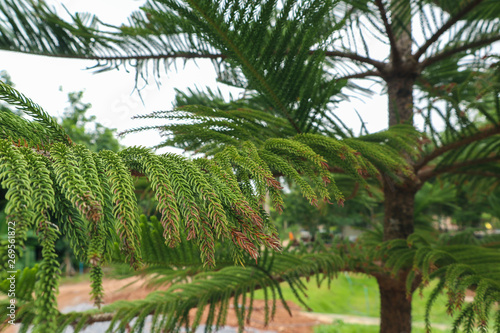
111,94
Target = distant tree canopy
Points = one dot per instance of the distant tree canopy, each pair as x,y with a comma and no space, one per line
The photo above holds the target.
85,130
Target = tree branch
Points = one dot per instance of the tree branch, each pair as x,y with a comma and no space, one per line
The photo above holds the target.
388,30
478,173
195,55
429,173
454,19
376,268
360,75
354,56
445,54
486,132
185,55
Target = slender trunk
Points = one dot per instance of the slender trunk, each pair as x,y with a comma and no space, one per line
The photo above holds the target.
400,91
399,199
400,75
395,307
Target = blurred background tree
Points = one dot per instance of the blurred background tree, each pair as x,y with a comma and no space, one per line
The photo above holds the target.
84,129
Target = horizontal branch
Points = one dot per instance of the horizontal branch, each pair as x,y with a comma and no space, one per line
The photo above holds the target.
181,55
429,173
446,54
484,133
108,316
354,56
478,173
454,19
193,55
378,271
360,75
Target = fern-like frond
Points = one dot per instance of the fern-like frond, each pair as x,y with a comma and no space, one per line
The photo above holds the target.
125,205
89,197
199,128
214,291
19,212
51,128
458,267
283,64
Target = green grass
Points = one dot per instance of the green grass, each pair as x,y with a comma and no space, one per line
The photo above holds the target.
77,278
340,327
356,294
349,294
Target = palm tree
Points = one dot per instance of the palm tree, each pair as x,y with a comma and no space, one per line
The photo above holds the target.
293,59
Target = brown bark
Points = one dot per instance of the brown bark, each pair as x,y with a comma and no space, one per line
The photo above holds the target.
395,307
400,75
400,91
400,72
399,200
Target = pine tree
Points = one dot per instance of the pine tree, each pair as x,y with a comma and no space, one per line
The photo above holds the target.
293,59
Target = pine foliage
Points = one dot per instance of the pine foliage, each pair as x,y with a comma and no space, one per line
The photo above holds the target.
191,286
457,266
279,65
59,187
283,54
469,145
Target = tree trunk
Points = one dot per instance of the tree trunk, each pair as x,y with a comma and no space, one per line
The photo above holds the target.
401,73
395,307
399,201
400,91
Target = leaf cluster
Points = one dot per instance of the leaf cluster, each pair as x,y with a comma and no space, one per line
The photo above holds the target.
459,262
62,188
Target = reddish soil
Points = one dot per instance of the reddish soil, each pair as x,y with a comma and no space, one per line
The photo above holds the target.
71,294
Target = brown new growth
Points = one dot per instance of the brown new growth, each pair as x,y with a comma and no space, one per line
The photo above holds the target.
89,207
243,242
271,181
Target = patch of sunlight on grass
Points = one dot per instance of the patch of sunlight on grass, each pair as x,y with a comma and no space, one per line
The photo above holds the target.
357,294
341,327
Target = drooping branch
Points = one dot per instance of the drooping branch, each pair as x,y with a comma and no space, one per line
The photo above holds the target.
484,133
446,54
454,19
375,269
428,173
388,30
354,191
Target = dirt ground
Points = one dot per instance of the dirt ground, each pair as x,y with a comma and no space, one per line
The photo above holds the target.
71,294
